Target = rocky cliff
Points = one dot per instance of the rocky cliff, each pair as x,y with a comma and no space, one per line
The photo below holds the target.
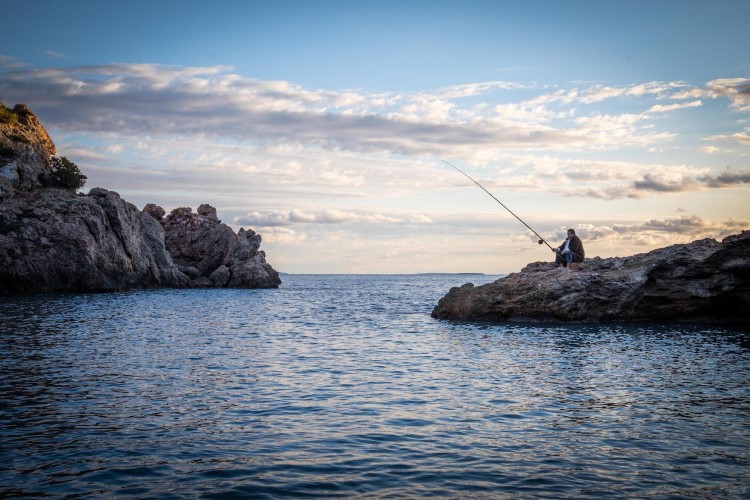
56,240
25,149
53,239
702,281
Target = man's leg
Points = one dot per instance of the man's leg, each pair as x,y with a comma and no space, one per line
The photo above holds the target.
559,260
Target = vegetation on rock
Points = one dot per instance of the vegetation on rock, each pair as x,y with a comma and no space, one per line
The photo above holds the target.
7,115
66,174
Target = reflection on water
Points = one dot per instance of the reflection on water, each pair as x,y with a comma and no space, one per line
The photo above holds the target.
344,386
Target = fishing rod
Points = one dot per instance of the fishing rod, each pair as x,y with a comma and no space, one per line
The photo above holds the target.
541,240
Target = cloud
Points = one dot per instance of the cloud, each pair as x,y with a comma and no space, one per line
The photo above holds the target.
741,137
600,93
662,108
9,62
736,89
282,235
726,179
690,226
331,216
214,129
147,99
655,232
54,54
656,183
692,93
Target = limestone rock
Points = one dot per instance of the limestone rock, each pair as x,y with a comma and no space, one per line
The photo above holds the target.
25,149
199,240
701,281
154,211
220,277
208,211
56,240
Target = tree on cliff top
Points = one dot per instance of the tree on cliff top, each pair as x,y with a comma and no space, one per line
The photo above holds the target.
65,173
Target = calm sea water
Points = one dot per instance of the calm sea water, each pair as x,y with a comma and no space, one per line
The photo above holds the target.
344,386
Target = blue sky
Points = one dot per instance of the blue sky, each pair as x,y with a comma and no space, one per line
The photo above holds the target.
322,124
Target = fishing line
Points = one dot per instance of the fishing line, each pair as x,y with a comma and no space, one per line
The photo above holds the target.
541,240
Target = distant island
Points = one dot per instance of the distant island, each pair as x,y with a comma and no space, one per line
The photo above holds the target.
450,274
55,240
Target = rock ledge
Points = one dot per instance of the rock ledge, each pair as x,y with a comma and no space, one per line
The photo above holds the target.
703,281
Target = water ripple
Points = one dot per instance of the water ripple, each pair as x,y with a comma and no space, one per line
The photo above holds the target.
343,386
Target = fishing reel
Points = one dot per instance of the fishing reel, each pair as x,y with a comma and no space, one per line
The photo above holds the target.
540,241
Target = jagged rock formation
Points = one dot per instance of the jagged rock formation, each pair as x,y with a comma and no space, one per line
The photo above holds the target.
210,252
701,281
56,240
53,239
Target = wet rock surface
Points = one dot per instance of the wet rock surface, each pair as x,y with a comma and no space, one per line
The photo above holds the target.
705,280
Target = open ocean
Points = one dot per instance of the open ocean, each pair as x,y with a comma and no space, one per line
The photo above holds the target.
343,386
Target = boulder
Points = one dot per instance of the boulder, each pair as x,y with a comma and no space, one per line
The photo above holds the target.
154,211
222,258
703,281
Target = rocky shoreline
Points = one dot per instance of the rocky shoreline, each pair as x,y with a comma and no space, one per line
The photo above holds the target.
703,281
55,240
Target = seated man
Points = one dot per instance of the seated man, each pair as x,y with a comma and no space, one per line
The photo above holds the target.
570,251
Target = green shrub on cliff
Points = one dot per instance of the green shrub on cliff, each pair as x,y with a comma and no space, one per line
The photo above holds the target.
65,173
7,115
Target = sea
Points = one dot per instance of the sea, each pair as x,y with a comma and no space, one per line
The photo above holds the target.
344,386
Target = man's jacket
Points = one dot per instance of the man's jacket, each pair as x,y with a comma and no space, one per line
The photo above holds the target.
576,246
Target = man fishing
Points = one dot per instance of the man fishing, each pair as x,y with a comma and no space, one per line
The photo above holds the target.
570,251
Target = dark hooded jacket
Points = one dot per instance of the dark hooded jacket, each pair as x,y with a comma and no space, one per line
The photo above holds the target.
576,246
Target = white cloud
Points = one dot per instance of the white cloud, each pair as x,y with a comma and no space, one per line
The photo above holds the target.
330,216
736,89
601,93
144,99
282,236
655,232
662,108
740,137
11,62
54,54
692,93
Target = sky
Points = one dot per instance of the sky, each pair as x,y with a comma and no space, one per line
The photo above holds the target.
323,125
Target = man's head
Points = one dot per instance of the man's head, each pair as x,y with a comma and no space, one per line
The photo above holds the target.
571,232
